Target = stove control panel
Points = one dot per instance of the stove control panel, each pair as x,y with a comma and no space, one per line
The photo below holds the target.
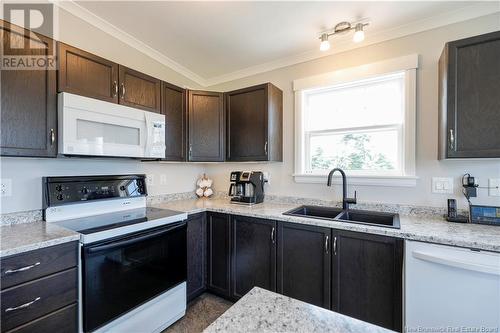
64,190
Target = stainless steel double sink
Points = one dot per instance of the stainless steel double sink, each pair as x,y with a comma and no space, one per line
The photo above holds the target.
334,214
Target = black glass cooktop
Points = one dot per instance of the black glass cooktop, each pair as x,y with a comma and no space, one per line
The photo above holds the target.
97,223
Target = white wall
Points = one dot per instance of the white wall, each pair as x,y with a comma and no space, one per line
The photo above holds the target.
428,45
26,173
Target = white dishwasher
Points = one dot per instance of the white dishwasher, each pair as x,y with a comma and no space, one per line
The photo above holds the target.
451,289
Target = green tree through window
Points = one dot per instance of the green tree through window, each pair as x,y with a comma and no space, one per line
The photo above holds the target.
359,157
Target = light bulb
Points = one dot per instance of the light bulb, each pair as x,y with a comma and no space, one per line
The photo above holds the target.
325,44
359,34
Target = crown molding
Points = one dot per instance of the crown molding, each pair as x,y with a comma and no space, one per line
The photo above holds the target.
98,22
342,43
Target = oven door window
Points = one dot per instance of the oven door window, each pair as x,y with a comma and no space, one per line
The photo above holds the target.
125,273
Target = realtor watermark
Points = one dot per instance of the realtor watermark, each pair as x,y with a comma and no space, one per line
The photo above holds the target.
26,28
452,329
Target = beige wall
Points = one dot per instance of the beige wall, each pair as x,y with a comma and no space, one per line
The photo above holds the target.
26,173
428,45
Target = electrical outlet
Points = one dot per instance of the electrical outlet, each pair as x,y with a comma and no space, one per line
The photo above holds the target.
150,179
163,179
267,176
6,187
442,185
494,187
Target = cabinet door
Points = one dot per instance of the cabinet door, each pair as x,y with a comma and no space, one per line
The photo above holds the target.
254,124
86,74
253,255
206,126
29,100
304,263
367,278
247,123
174,109
139,90
196,255
472,101
219,254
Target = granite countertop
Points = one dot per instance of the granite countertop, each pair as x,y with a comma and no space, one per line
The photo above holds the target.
419,228
265,311
17,238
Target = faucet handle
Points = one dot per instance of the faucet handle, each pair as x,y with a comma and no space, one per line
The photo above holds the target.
352,200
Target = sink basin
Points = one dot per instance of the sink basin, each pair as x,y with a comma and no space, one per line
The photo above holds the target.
319,212
388,220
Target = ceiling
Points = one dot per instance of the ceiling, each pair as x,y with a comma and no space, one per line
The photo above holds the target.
212,42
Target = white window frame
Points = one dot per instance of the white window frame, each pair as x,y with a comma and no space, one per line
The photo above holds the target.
405,64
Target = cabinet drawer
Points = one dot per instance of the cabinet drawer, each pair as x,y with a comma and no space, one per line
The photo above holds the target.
34,299
63,320
31,265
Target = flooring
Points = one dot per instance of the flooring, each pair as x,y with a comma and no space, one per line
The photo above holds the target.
200,313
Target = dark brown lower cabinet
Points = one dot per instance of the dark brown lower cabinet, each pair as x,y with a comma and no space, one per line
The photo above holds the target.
304,263
196,255
367,278
253,255
219,254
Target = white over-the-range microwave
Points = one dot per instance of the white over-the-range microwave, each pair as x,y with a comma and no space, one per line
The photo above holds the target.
90,127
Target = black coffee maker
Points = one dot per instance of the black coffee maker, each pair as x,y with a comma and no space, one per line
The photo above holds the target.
247,187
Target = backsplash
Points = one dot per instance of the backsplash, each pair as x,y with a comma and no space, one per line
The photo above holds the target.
407,210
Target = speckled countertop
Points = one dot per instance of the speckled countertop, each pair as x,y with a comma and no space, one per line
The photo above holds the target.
264,311
17,238
420,228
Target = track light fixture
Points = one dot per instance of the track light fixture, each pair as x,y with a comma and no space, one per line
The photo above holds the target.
342,28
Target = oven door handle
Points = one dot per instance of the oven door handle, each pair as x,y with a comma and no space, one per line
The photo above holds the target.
133,240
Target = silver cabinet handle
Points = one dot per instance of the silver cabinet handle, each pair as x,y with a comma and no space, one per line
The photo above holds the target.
272,235
123,90
190,149
115,88
22,269
327,238
52,136
265,148
452,139
22,306
335,245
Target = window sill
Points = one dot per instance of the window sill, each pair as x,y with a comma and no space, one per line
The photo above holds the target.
386,181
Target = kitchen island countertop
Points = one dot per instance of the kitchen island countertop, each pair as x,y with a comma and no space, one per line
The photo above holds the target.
261,310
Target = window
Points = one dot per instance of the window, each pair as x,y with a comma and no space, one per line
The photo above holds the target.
364,124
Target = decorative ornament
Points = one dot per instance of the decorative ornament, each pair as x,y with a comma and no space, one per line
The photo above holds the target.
204,187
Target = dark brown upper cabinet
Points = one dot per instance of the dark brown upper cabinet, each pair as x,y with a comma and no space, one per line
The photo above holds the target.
469,99
29,98
367,278
173,106
139,90
253,255
304,263
206,126
255,124
86,74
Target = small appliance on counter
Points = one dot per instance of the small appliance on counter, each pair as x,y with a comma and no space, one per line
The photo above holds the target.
247,187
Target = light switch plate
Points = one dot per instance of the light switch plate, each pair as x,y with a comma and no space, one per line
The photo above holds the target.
442,185
150,179
5,187
494,187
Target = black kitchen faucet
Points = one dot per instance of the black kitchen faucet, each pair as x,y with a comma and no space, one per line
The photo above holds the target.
345,200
